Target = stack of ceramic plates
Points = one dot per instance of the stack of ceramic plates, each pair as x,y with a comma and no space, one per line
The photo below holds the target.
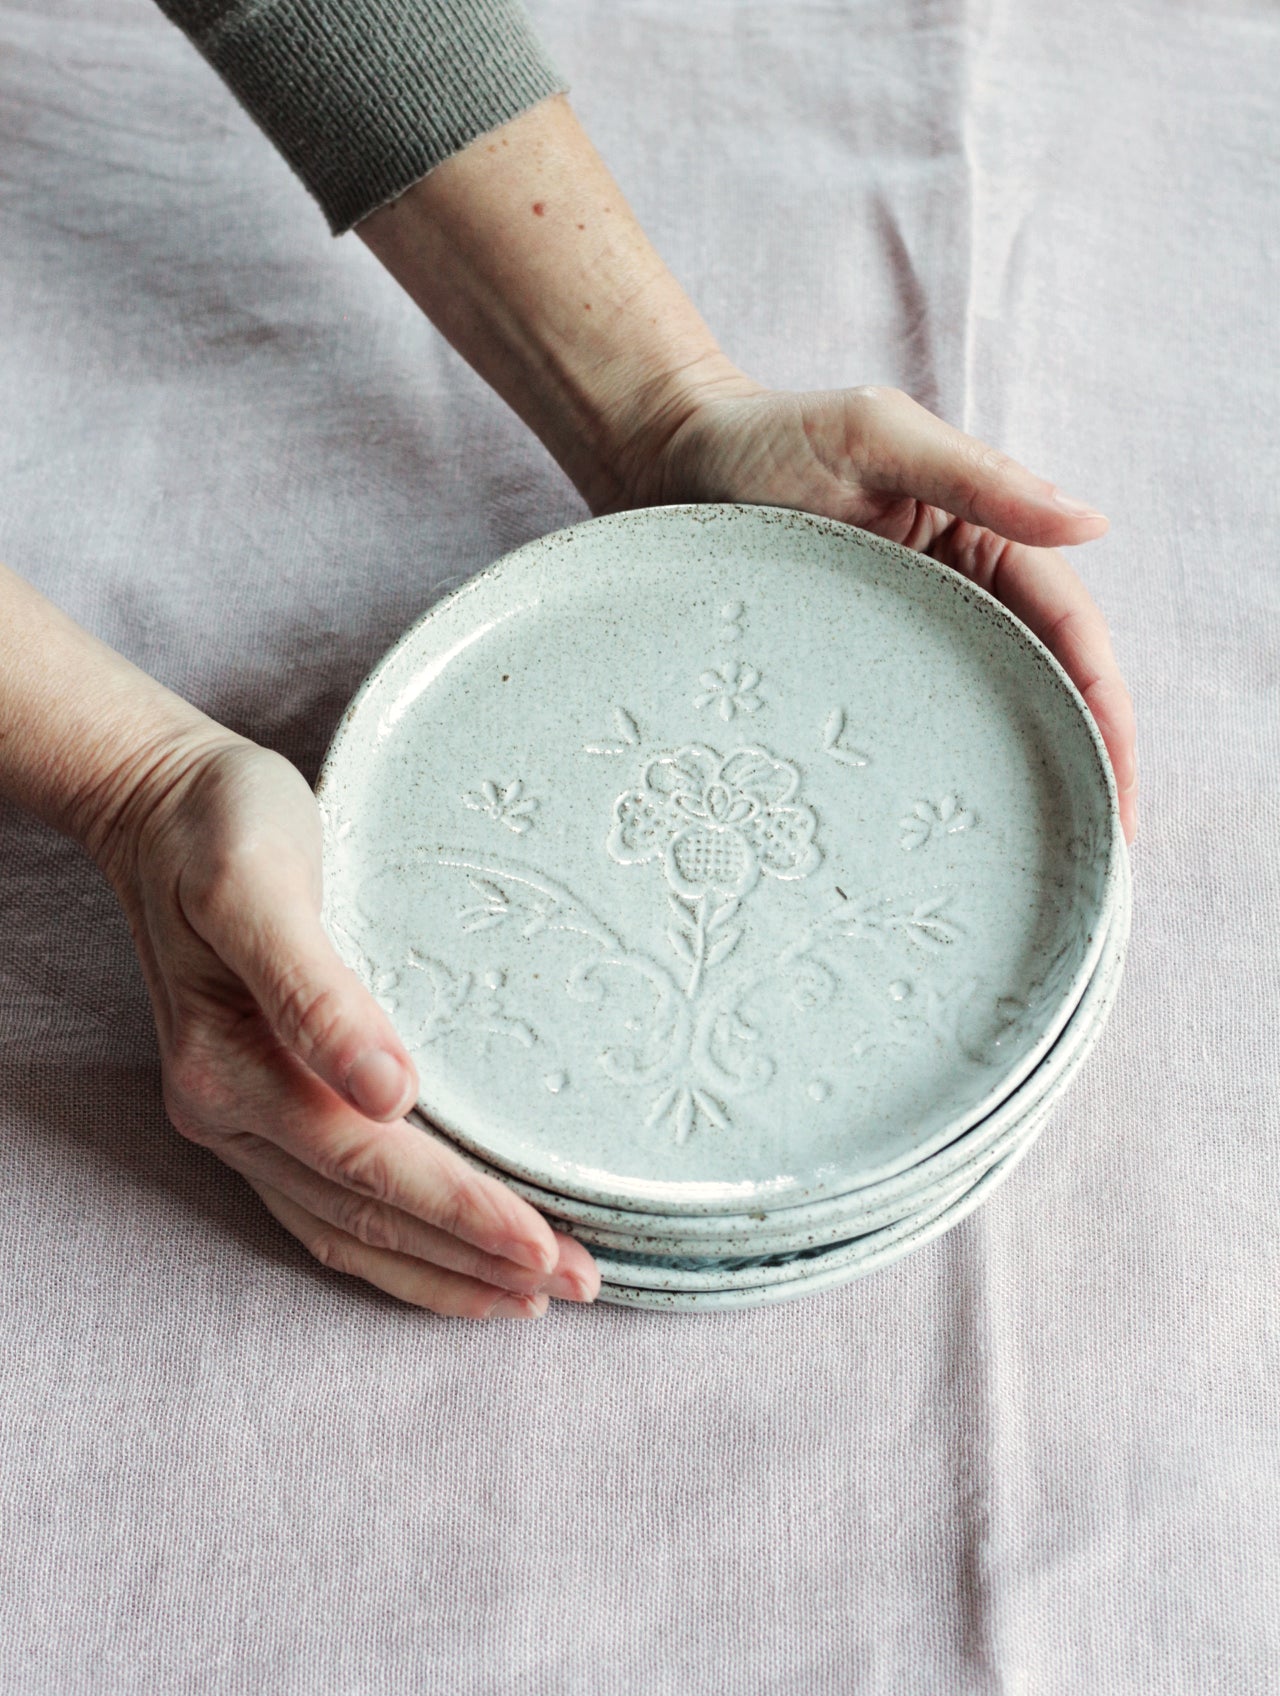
746,888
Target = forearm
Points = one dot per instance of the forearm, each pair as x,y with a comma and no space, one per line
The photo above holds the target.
83,733
523,252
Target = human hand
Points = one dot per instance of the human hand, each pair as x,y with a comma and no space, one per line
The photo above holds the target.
277,1059
873,457
527,257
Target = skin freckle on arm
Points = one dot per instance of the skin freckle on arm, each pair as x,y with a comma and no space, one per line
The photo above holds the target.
539,208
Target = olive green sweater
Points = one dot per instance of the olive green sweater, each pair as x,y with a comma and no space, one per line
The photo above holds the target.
363,97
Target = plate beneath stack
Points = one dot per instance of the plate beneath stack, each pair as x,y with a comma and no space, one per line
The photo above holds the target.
838,1217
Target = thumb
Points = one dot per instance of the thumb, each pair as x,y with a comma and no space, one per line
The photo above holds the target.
906,450
264,926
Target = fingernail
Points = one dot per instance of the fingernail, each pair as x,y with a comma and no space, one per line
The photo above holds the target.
1076,509
534,1256
378,1083
518,1307
569,1286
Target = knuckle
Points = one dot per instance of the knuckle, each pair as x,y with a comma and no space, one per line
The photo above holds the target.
978,467
882,405
362,1167
215,882
190,1126
980,556
451,1207
333,1249
872,416
986,460
369,1221
306,1016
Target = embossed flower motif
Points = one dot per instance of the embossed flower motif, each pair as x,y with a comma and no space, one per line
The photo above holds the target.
717,821
732,688
509,806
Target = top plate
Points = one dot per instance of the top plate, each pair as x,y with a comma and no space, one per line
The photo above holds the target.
717,858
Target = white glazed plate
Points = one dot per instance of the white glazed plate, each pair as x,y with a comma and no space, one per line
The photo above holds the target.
838,1217
640,1272
830,1276
717,859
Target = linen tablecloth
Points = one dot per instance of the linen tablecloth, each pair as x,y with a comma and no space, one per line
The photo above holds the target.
1040,1456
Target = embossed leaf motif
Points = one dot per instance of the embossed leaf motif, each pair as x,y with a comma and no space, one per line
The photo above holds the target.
928,923
509,806
928,819
875,918
460,1000
534,909
833,743
496,906
701,936
680,1107
626,735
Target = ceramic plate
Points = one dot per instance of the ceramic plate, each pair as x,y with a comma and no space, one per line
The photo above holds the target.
716,859
758,1295
642,1272
836,1217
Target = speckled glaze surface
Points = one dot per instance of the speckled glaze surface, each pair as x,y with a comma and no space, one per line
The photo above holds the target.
717,859
838,1217
641,1272
829,1276
865,1235
691,1286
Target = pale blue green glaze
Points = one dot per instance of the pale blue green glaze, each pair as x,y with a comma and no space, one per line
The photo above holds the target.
713,860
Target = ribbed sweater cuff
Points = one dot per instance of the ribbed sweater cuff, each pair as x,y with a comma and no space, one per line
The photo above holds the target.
364,97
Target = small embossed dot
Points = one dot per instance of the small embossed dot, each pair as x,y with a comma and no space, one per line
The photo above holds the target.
818,1090
555,1081
900,990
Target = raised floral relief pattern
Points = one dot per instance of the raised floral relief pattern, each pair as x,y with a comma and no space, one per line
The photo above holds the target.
716,822
714,825
730,689
509,806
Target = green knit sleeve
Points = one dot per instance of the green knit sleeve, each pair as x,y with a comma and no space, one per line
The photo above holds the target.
363,97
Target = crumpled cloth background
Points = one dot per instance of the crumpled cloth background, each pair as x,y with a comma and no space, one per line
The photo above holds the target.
1039,1456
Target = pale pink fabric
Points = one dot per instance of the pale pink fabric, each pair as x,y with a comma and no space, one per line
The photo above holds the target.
1040,1456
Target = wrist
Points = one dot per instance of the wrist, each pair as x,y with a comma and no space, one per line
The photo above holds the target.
655,408
137,785
524,254
87,740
